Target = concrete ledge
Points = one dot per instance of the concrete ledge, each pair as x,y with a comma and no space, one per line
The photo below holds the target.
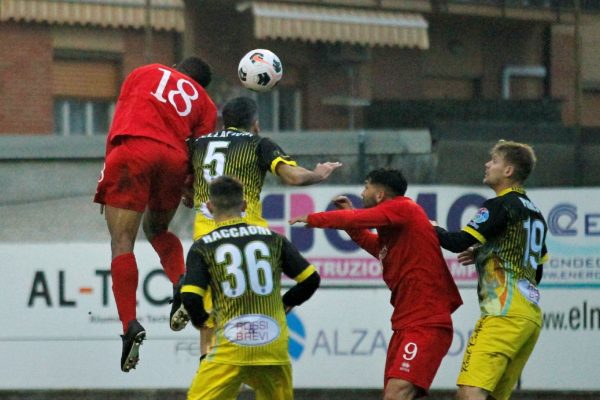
404,141
46,147
51,147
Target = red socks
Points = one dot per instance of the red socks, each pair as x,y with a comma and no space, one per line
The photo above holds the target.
170,251
124,273
124,285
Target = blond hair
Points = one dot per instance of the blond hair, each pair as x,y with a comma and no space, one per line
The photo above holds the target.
520,155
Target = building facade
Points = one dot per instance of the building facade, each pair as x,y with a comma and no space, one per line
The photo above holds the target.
348,64
62,62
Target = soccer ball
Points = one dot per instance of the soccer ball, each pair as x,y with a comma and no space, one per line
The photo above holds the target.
260,70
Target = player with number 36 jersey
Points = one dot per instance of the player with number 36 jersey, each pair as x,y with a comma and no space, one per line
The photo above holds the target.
240,151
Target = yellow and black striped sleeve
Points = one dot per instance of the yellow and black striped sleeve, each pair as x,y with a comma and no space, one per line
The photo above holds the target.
305,274
271,154
195,285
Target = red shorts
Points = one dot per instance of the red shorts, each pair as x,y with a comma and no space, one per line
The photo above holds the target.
140,172
415,354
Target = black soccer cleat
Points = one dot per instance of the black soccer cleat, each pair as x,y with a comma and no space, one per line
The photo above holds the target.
132,340
179,316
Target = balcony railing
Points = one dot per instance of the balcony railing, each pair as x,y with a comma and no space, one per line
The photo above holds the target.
586,5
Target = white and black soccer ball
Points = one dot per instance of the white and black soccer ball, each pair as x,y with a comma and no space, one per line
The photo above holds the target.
260,70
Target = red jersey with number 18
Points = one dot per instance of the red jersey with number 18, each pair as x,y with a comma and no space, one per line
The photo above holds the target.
163,104
423,290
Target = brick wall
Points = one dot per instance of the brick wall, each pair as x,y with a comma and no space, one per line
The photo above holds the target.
25,79
26,62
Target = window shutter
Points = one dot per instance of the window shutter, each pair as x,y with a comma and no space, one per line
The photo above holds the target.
85,79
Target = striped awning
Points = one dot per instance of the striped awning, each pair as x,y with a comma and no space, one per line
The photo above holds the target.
337,25
165,15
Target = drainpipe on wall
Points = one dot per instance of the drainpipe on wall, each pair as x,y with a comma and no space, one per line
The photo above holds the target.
519,71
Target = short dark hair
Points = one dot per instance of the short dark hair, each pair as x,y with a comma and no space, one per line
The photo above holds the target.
197,69
240,112
392,179
226,193
520,155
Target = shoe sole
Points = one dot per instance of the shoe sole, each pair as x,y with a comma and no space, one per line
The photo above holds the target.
179,319
134,354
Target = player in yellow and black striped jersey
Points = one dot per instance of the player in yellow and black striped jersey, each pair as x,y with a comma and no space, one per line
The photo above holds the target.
236,153
239,151
512,231
242,265
509,232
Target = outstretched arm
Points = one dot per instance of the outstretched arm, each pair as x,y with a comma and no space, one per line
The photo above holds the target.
455,242
300,176
355,222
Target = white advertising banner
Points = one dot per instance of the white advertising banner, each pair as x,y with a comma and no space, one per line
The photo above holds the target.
60,327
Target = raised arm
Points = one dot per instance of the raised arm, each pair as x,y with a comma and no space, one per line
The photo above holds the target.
300,176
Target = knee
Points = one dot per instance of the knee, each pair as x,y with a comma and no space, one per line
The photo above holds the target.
121,244
399,390
398,395
471,393
153,228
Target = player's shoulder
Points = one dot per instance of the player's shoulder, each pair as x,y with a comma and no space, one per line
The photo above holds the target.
401,203
147,68
515,198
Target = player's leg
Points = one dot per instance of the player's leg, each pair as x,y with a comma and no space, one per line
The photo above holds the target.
215,382
123,226
170,252
471,393
123,189
493,343
399,389
168,178
270,382
527,340
414,356
166,244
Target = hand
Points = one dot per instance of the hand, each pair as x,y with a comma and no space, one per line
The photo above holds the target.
342,203
467,257
300,219
325,169
187,200
187,193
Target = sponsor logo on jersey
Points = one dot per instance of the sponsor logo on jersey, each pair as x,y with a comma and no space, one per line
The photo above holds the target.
528,290
251,330
482,215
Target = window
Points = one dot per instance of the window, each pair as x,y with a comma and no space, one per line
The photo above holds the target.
280,109
79,117
85,91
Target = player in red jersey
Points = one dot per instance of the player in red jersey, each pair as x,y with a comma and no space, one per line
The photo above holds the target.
424,294
145,168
